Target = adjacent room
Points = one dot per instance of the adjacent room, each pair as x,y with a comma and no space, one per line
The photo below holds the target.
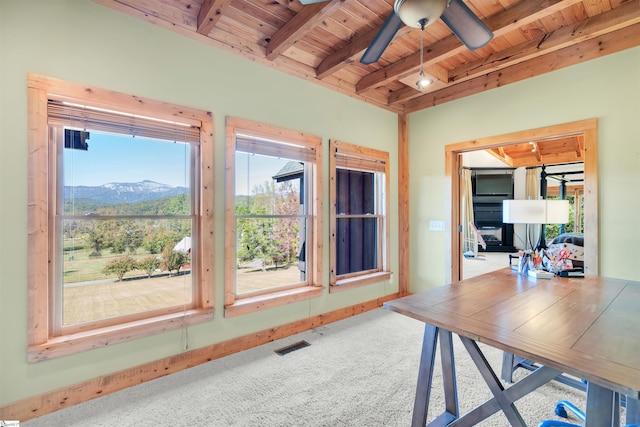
188,186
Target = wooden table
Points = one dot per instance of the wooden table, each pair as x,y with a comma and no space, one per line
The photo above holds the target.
586,327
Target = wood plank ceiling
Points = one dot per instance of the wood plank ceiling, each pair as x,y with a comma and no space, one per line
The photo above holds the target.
323,42
565,149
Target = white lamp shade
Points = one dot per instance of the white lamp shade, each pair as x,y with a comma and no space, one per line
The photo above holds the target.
523,211
535,211
557,211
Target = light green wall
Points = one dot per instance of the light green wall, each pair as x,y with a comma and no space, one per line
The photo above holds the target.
607,89
82,42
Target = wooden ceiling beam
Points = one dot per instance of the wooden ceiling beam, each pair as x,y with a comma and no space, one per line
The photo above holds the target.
209,15
501,155
401,95
350,52
579,146
501,23
296,28
591,49
622,16
437,72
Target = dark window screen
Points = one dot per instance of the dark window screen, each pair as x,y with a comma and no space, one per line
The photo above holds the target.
356,238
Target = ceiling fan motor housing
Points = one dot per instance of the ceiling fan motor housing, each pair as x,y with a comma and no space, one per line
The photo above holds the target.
419,13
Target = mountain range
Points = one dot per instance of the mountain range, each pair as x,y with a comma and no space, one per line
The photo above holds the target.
123,192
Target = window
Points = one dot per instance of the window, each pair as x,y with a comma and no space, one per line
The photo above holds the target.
273,248
119,215
359,221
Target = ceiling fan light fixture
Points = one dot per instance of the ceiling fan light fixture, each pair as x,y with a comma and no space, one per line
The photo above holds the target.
418,13
423,82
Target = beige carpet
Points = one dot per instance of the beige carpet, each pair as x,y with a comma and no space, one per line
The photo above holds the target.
357,372
484,263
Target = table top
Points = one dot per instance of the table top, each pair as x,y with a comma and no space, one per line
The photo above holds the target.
588,327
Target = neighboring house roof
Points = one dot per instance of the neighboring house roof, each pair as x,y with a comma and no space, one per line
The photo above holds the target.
291,170
183,245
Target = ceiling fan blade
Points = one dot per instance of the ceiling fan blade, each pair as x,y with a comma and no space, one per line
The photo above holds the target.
383,37
466,25
305,2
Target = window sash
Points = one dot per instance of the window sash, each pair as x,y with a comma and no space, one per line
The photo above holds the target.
308,171
374,205
379,254
58,217
377,214
252,137
350,157
288,151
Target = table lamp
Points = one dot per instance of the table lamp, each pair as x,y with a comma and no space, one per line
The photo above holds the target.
541,211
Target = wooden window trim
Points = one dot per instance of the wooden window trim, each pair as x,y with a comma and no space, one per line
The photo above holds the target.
42,345
367,155
361,280
271,300
235,306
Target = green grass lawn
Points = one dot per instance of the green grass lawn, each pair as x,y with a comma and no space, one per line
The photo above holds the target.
111,298
104,297
80,267
96,301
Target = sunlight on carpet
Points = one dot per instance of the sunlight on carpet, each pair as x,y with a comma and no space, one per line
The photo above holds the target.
360,371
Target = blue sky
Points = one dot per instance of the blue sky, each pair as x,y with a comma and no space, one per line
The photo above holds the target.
112,158
253,169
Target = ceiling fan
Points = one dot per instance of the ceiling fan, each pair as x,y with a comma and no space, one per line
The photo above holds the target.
419,14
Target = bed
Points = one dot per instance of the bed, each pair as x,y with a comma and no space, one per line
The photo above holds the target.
573,245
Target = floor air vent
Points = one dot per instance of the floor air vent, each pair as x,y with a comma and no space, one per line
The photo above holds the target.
293,347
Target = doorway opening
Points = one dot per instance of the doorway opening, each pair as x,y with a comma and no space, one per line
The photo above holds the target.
581,135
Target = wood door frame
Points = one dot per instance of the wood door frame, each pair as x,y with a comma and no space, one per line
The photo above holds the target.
588,129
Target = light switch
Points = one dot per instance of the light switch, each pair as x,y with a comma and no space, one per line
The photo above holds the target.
436,225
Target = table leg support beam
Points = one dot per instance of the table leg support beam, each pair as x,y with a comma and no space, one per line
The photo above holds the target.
509,410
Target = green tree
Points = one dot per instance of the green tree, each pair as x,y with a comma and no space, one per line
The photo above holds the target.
149,264
172,260
119,266
96,240
285,234
156,239
131,235
118,245
275,240
178,205
553,230
253,235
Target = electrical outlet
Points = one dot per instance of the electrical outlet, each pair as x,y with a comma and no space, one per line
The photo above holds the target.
436,225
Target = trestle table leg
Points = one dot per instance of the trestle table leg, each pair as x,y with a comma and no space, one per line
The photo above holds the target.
600,406
425,378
